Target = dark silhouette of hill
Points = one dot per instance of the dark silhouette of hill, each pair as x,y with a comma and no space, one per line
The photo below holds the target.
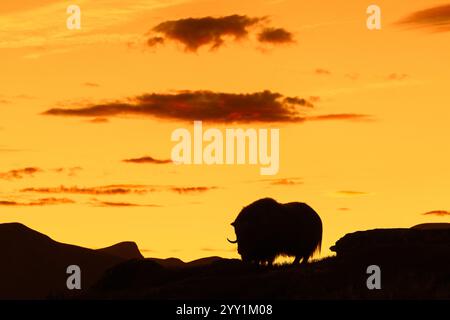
178,263
127,250
431,226
169,262
33,266
203,261
415,264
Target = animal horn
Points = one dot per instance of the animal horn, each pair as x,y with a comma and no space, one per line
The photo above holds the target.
235,241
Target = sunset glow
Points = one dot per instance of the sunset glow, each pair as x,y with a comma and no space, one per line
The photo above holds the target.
86,116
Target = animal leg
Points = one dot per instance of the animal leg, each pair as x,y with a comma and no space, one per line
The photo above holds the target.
305,260
297,260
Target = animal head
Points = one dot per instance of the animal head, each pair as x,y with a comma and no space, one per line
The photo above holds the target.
249,222
243,237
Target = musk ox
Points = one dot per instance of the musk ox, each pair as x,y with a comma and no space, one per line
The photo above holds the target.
266,229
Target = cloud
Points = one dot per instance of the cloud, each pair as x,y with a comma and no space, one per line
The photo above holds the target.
286,182
321,71
283,181
298,101
441,213
20,173
435,18
39,202
344,209
102,190
154,188
397,76
185,190
196,32
31,171
350,193
99,120
99,203
151,42
147,159
264,106
133,186
71,172
91,84
341,116
275,36
118,189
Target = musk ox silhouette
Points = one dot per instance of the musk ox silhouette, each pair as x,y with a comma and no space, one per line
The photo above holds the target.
266,229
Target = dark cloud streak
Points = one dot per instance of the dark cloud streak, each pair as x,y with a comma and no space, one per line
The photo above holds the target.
216,107
78,190
264,106
122,189
321,71
186,190
147,159
440,213
20,173
196,32
98,203
341,116
435,18
38,203
275,36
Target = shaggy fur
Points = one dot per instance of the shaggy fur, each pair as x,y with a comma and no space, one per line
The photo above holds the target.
266,229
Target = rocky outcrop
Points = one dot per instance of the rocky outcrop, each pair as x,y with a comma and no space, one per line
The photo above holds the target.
126,250
431,226
396,244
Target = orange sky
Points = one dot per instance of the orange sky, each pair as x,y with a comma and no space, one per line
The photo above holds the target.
385,170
